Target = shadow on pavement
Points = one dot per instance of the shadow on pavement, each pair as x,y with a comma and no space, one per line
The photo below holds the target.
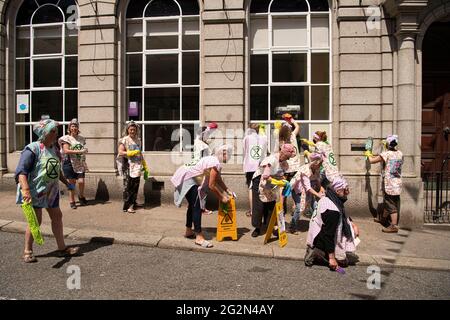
93,244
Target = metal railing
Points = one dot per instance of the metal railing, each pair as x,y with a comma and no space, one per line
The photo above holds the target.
436,194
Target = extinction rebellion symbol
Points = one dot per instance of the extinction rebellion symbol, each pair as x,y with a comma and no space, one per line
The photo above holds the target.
255,152
52,168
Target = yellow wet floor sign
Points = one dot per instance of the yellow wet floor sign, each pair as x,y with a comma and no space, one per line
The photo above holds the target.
226,222
278,218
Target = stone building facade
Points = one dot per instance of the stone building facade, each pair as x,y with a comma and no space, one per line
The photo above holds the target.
373,86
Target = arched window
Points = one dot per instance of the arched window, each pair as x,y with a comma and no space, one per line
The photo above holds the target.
290,62
46,65
162,69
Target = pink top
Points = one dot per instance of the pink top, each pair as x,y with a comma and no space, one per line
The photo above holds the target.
255,150
342,244
301,182
187,172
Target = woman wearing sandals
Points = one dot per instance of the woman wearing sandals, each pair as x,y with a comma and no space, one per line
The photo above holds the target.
73,149
38,174
130,164
193,182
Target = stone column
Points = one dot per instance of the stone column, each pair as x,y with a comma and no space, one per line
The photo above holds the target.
222,69
406,101
97,83
409,133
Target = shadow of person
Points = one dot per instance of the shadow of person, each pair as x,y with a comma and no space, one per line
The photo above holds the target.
303,226
152,193
93,244
102,193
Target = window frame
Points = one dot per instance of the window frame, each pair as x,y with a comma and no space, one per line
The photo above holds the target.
32,57
144,85
270,50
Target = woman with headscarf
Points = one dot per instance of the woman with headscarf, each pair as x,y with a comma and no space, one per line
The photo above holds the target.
193,183
130,164
392,160
264,194
332,235
304,185
38,174
330,170
73,150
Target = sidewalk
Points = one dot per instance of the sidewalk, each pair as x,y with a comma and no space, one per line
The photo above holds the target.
163,227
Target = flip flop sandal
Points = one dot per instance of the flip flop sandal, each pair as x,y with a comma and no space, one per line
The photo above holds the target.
131,210
68,252
204,244
28,257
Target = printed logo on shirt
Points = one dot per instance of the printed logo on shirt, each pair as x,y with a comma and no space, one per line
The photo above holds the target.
78,146
52,168
395,166
331,159
256,152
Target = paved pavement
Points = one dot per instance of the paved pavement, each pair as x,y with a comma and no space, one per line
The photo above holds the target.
163,227
133,272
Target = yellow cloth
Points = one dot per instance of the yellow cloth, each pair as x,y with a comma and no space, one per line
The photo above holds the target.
132,153
308,142
368,153
145,168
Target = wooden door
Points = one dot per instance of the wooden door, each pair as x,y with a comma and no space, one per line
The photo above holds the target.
435,97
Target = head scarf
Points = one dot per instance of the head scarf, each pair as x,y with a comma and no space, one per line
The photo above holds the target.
339,183
43,128
131,123
219,151
289,149
75,122
392,140
316,156
316,136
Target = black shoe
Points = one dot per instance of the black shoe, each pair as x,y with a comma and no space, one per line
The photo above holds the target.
83,201
73,205
255,233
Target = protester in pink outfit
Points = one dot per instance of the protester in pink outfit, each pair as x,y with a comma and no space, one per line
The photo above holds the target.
255,150
193,183
332,235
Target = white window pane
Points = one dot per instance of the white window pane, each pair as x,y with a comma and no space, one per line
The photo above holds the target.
190,26
162,137
22,74
162,69
47,103
163,27
162,34
289,67
289,31
71,40
162,104
191,34
320,67
319,33
47,40
134,36
258,33
320,106
23,42
259,69
134,29
47,73
289,99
